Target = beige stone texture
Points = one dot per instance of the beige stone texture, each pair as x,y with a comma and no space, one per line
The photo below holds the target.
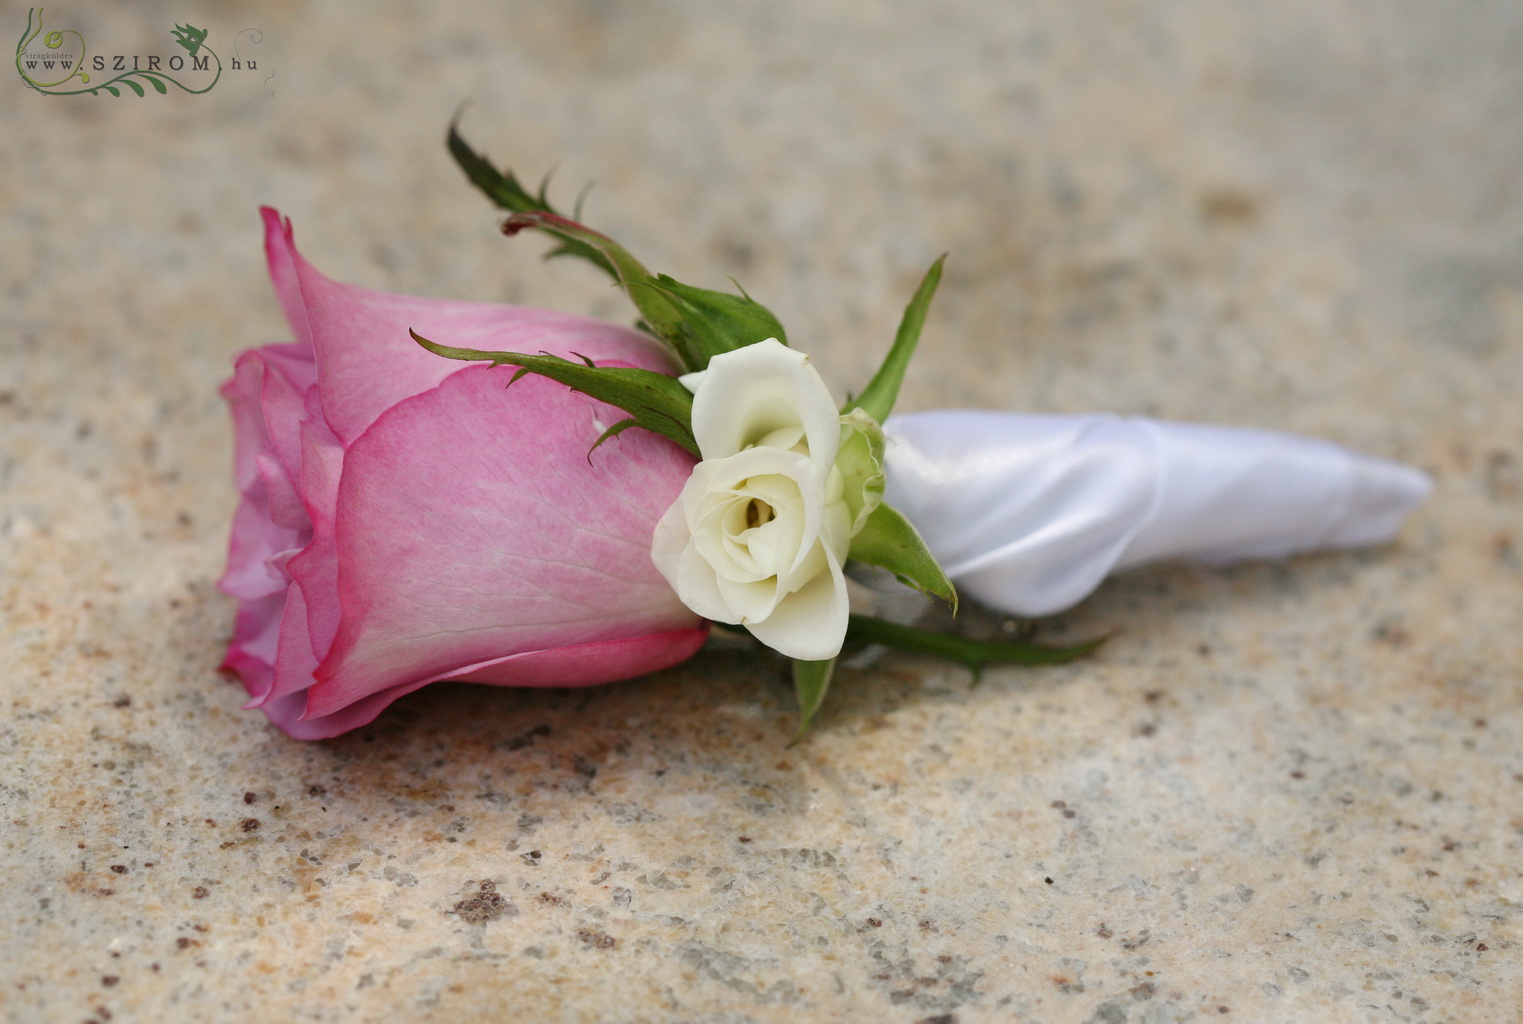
1283,792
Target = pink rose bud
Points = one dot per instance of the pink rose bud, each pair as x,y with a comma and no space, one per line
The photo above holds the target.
407,518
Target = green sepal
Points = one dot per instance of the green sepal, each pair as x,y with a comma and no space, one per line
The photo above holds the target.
974,655
879,395
860,460
891,541
653,400
810,681
506,192
716,322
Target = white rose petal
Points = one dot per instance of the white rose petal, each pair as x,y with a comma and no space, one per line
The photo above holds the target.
811,624
763,395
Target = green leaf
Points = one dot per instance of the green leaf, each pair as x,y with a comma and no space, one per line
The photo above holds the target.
160,86
716,322
506,192
879,395
657,311
112,90
891,541
971,654
129,83
695,322
810,681
653,400
502,188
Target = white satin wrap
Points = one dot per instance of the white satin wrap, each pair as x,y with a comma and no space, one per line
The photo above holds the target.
1028,514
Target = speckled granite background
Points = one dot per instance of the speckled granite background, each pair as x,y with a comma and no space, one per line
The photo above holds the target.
1283,793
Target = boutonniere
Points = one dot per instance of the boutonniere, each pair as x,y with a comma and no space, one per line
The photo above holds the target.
408,519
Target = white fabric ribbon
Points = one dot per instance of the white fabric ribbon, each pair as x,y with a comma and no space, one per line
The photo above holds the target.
1028,514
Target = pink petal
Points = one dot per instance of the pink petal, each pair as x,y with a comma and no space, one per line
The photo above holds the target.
280,255
285,713
315,570
265,395
256,633
590,664
294,658
249,436
367,361
290,373
255,544
473,525
281,502
583,665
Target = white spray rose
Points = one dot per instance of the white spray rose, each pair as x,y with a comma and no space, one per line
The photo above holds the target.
761,530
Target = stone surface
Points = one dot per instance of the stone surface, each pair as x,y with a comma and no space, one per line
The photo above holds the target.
1288,792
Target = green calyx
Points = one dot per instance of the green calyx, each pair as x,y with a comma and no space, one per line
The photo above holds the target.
714,322
860,462
881,536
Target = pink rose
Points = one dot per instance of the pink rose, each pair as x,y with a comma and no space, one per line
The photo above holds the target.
407,518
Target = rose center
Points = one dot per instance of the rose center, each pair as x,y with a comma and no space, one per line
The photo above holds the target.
757,513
